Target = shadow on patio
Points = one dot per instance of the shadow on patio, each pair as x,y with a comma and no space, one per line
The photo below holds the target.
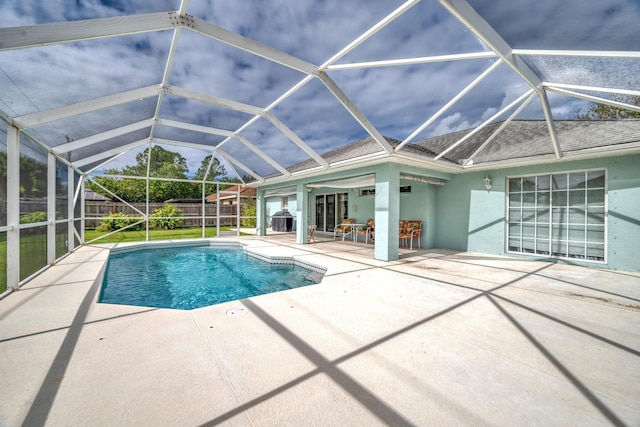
437,337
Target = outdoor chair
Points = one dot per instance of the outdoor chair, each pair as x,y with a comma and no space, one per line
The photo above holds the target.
344,229
410,230
310,233
367,231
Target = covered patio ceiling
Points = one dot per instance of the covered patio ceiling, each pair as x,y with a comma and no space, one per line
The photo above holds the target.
264,86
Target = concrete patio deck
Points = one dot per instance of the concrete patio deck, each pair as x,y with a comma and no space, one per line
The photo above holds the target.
435,338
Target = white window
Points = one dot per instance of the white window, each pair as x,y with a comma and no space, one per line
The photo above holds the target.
558,215
285,203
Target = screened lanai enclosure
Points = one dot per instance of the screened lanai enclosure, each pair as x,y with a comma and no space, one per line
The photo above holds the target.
155,103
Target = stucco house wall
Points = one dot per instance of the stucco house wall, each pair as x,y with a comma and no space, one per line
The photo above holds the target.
471,218
463,215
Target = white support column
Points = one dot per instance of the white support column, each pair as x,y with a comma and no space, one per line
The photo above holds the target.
51,208
13,207
301,216
204,208
217,210
71,185
82,213
239,207
387,213
146,204
261,219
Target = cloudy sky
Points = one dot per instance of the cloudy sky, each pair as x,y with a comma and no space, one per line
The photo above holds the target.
396,99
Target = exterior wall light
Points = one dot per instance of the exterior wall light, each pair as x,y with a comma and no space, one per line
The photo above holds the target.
487,182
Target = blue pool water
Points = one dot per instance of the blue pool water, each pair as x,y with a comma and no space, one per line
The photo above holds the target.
192,277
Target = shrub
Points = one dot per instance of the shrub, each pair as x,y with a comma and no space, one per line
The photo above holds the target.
165,217
39,216
248,210
117,220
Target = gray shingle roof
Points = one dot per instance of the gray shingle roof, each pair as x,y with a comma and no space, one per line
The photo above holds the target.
530,138
519,140
360,148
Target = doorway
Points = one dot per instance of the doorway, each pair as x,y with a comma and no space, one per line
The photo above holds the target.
331,209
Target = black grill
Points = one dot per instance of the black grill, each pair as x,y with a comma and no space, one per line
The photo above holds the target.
282,221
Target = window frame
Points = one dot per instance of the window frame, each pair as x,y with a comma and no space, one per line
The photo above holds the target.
551,221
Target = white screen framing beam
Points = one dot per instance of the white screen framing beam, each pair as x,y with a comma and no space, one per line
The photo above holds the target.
462,11
249,109
48,116
370,32
313,72
167,72
274,104
296,139
486,123
579,53
355,43
109,153
171,142
89,29
248,45
449,104
518,110
263,155
546,108
353,110
227,164
617,91
101,164
99,137
230,159
592,98
195,128
185,144
213,100
13,207
412,61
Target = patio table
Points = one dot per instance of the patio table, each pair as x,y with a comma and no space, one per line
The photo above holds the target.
353,226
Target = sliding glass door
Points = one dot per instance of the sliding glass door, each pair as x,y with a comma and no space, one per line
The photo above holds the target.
331,209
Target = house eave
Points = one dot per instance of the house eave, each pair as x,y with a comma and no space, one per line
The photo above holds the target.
568,156
441,166
360,162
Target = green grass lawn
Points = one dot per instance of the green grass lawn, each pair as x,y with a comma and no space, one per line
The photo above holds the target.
138,236
33,255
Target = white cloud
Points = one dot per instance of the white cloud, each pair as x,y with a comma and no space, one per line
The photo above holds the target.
452,123
397,100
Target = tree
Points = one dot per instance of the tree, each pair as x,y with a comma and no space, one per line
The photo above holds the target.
609,112
164,164
217,169
33,177
230,180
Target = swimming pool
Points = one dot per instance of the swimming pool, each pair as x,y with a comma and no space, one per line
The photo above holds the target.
188,277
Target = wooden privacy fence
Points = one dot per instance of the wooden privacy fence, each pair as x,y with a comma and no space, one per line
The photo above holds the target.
29,205
191,211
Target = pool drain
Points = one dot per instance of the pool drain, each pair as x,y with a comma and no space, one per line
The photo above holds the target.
237,311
